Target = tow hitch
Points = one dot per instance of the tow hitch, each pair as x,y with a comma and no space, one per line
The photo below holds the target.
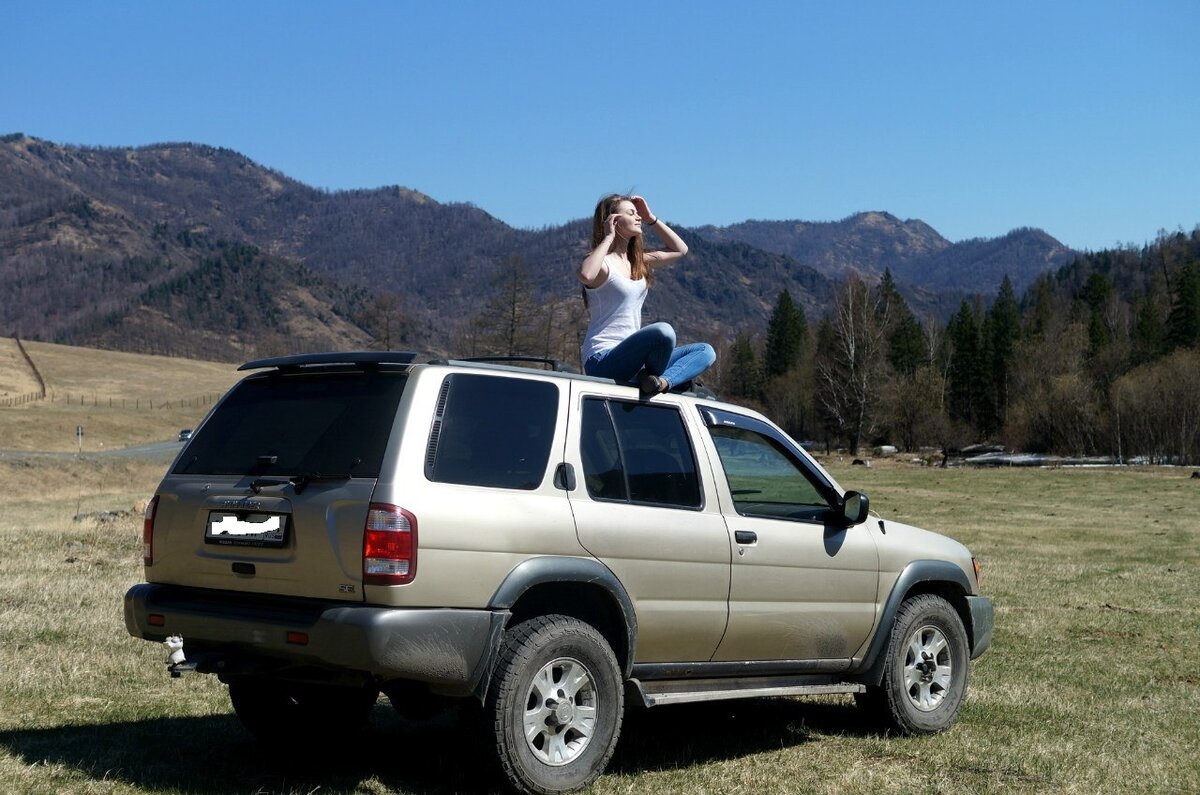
177,662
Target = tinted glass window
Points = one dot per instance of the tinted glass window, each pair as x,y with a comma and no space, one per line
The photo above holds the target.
637,453
602,470
764,479
493,431
328,424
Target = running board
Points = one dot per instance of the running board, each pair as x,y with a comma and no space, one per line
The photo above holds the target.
656,693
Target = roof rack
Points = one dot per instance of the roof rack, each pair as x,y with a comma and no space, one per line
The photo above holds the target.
362,358
552,364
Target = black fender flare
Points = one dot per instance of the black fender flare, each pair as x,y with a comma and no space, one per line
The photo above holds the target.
564,569
870,671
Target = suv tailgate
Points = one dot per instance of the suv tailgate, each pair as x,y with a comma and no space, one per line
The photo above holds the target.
215,534
271,493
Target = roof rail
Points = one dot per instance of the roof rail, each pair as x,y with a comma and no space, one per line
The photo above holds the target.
553,364
367,358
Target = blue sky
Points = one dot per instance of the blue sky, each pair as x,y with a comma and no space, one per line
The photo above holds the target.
1077,117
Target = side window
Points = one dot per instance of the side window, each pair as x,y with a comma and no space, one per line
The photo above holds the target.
602,470
764,479
638,453
492,431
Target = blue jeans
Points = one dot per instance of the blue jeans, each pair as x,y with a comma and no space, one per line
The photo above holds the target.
652,348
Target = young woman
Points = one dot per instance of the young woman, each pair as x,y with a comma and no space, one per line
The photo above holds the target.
616,276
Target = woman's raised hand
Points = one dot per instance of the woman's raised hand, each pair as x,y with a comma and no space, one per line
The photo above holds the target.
643,209
610,224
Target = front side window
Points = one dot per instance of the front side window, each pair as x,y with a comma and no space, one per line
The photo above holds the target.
764,479
633,452
492,431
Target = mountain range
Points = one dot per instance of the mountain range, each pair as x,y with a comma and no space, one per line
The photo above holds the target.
196,250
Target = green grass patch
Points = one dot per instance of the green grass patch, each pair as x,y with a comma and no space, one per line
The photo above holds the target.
1092,685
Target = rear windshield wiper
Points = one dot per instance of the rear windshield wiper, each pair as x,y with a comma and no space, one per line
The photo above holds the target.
300,482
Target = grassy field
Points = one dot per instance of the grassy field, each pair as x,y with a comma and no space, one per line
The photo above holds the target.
1092,685
120,399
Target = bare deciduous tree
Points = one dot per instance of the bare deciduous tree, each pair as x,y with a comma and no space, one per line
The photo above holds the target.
849,369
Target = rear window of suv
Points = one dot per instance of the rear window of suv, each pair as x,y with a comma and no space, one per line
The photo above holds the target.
303,424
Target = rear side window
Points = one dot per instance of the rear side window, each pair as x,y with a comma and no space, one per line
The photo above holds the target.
633,452
492,431
304,424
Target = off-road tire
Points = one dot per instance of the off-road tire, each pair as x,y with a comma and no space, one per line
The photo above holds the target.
286,713
555,705
925,672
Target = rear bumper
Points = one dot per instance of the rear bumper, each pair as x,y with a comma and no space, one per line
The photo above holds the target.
983,623
449,649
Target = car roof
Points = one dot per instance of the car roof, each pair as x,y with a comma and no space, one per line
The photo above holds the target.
340,360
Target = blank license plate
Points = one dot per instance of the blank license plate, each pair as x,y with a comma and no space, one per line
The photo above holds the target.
246,529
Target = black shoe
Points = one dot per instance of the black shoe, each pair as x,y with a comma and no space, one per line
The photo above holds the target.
649,384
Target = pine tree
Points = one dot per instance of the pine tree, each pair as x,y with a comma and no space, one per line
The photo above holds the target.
1149,332
1096,294
907,346
745,375
1003,329
966,364
1183,324
786,335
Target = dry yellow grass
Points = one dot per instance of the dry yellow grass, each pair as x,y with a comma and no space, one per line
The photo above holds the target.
15,376
1091,686
120,399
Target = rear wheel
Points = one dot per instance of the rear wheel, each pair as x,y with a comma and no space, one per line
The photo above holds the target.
276,711
555,705
925,674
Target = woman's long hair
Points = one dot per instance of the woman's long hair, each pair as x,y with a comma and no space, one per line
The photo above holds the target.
637,262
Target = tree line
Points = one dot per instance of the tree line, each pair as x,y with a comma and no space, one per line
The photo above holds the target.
1099,358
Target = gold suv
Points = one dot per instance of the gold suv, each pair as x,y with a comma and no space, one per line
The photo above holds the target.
546,544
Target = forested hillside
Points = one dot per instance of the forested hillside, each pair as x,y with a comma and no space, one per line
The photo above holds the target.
1101,357
90,238
917,256
853,332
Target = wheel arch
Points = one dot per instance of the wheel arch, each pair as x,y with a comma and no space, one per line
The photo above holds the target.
936,577
579,587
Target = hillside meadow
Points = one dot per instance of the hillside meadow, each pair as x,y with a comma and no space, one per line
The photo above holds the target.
120,399
1092,685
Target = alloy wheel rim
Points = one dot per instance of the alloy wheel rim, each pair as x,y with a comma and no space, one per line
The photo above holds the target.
561,707
928,668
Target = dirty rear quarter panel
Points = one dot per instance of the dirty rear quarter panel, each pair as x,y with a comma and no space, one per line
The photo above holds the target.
469,537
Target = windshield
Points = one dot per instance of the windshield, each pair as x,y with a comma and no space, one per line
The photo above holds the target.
330,424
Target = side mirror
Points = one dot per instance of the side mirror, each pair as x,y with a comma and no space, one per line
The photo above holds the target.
855,507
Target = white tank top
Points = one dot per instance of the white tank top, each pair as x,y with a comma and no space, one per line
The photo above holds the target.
616,312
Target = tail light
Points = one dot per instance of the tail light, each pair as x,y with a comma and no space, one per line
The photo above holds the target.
389,545
148,531
978,571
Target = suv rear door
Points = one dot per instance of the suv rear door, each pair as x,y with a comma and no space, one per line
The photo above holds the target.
645,510
271,494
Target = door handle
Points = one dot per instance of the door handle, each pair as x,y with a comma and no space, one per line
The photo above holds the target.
745,537
564,477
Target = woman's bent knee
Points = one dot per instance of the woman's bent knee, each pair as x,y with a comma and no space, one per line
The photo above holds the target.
664,330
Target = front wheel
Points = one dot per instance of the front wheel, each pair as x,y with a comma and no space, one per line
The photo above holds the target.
925,674
555,704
